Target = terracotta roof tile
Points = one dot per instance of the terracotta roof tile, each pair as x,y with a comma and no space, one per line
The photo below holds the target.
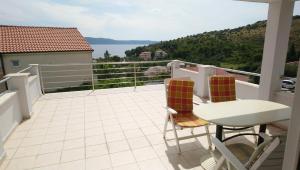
17,39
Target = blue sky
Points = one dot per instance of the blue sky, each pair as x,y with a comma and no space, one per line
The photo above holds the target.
134,19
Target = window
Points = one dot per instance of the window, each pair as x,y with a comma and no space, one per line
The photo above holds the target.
15,63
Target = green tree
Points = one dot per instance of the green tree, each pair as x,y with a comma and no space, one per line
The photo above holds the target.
106,55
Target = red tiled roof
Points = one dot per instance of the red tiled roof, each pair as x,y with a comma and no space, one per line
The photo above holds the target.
18,39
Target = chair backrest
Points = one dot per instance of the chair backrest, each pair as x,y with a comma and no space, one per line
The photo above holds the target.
180,95
222,88
167,81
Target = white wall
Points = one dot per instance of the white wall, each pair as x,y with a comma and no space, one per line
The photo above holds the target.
286,98
192,74
10,114
34,88
245,90
45,58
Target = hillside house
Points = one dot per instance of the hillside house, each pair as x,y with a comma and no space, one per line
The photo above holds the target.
145,55
24,45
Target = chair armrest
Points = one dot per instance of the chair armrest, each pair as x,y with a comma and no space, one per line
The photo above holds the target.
227,154
170,110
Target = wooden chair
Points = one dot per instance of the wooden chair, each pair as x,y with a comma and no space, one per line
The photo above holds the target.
179,94
243,157
222,89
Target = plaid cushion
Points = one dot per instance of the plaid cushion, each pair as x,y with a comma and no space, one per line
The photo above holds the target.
188,120
180,95
222,88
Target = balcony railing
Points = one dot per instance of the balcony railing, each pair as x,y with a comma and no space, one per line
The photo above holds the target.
69,77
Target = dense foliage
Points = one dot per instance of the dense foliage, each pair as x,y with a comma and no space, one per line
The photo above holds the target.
240,48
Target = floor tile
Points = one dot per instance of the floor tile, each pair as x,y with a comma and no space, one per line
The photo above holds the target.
96,150
27,151
152,164
74,165
144,154
122,158
21,163
47,159
95,140
127,167
73,143
115,136
135,133
72,155
51,147
95,163
138,142
118,146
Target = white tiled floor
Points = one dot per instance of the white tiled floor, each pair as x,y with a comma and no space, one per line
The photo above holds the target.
105,129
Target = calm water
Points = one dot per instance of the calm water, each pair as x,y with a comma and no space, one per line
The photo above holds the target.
119,50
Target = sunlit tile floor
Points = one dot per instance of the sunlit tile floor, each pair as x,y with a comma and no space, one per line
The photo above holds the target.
103,129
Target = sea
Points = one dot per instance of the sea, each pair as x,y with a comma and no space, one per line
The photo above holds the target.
113,49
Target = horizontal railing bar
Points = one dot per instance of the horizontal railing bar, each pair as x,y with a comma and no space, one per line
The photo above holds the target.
105,63
65,71
58,82
135,62
117,73
115,78
150,81
4,80
239,71
65,76
121,68
229,70
114,83
25,69
60,87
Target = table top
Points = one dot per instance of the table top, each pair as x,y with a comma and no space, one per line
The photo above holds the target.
242,113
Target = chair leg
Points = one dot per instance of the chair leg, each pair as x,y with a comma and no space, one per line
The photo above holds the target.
176,136
255,138
192,130
208,137
166,125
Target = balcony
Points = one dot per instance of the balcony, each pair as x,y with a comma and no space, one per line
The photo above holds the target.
109,128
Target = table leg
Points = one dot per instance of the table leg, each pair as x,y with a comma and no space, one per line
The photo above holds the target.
262,129
219,132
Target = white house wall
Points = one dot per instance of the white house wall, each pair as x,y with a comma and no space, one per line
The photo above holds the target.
53,58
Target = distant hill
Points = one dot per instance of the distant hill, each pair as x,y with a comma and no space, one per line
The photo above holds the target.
239,48
92,40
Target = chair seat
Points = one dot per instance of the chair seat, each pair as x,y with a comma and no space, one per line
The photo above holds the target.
188,120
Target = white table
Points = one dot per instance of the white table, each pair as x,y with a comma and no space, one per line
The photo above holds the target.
242,113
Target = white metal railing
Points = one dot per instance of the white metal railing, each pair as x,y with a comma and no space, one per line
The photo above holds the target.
26,70
65,77
3,84
239,74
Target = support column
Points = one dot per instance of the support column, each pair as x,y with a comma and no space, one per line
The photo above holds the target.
291,154
175,64
205,71
2,151
19,82
275,48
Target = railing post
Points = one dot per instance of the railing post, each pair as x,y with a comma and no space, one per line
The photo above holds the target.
93,85
134,69
34,70
41,78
